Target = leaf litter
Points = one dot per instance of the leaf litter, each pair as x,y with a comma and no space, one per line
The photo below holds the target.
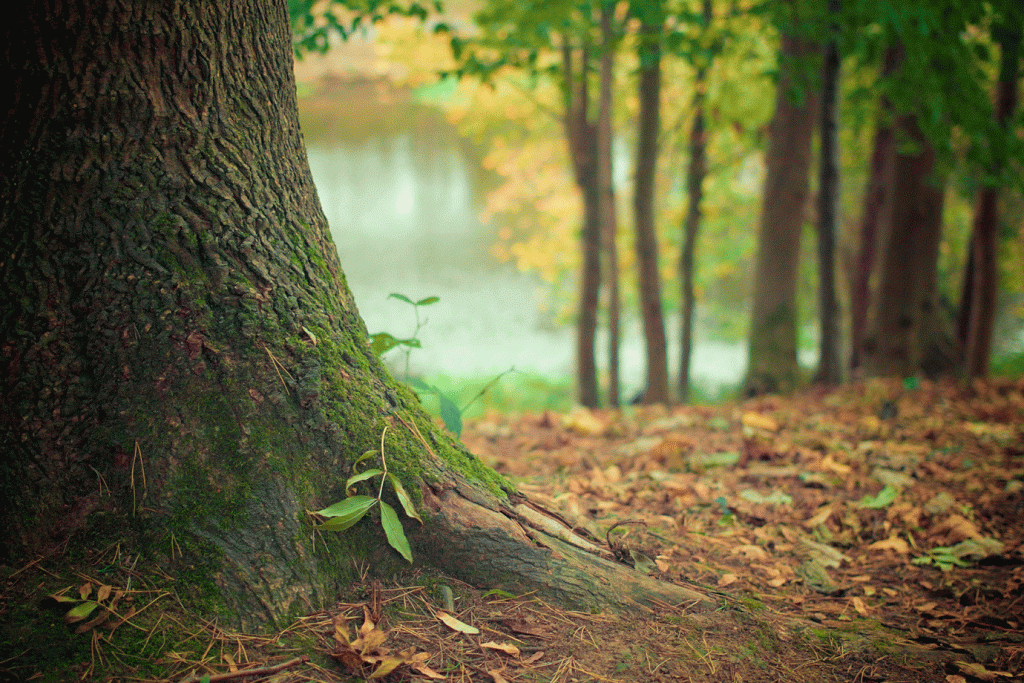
867,533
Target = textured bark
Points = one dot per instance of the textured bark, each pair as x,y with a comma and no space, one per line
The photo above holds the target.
185,372
904,310
875,194
609,222
691,226
830,369
984,271
773,352
581,135
649,279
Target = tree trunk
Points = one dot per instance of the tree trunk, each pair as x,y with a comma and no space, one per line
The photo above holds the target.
609,223
185,370
656,388
691,226
829,364
985,231
773,351
906,303
875,195
581,135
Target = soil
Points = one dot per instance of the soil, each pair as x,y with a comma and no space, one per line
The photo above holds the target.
867,533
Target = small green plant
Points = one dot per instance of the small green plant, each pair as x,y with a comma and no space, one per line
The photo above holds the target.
345,514
382,342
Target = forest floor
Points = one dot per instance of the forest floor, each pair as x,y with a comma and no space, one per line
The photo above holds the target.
870,533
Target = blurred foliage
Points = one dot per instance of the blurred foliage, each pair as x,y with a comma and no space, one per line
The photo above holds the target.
512,108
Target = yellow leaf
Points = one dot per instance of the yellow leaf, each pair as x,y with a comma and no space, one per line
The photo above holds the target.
456,625
387,665
507,648
425,670
891,543
759,421
859,605
727,579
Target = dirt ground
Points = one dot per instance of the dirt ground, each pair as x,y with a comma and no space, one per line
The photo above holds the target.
871,533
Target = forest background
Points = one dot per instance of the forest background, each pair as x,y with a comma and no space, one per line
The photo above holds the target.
509,106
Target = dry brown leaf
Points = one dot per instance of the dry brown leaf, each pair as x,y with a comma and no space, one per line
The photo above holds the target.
859,605
532,658
496,676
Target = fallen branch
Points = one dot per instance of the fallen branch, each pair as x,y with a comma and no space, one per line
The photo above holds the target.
260,671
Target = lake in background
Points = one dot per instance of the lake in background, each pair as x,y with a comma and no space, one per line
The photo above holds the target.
403,194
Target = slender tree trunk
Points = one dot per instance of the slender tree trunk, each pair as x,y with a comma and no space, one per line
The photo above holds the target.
829,363
773,350
985,230
581,135
605,179
875,195
691,226
906,298
185,373
656,389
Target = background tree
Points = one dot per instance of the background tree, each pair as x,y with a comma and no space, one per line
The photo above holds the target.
173,306
773,343
652,27
979,303
695,174
829,354
605,179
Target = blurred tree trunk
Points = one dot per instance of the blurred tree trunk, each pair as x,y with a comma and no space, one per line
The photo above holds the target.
773,347
875,194
979,309
905,308
829,364
185,371
691,227
605,179
581,135
649,279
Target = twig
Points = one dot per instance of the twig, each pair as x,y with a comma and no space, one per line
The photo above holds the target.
260,671
277,368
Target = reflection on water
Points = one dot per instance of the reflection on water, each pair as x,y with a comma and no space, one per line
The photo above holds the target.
403,208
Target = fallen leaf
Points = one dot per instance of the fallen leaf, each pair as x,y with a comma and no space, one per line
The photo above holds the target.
891,543
979,671
456,625
759,421
727,579
507,648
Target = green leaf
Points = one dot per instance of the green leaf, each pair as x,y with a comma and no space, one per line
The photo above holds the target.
79,612
393,530
404,499
419,385
64,598
402,297
382,342
429,300
365,456
343,522
451,414
362,476
354,505
883,499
